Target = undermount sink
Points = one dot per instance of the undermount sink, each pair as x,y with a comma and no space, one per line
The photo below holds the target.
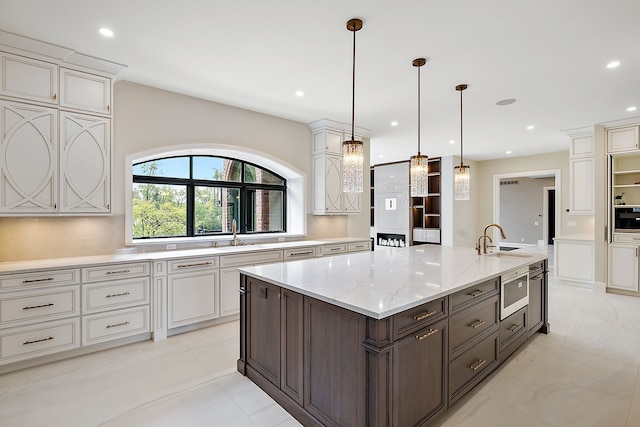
508,254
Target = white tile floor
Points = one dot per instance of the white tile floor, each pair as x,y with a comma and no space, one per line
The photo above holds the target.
585,373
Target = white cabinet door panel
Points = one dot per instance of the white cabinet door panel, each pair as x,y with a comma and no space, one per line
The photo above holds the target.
28,79
229,296
193,297
84,91
28,158
574,260
582,186
85,163
623,139
623,267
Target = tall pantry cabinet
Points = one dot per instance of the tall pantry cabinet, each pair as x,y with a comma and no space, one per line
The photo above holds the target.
55,129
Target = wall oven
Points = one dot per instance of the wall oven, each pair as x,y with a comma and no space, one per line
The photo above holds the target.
514,291
626,220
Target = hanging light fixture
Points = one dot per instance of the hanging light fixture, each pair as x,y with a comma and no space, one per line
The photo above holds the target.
352,150
461,173
419,168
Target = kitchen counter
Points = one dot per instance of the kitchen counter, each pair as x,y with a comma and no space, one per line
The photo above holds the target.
126,256
388,281
576,236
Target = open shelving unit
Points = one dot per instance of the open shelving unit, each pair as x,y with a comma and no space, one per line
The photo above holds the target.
626,181
425,211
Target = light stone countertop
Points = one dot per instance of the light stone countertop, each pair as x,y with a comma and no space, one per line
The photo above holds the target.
125,256
388,281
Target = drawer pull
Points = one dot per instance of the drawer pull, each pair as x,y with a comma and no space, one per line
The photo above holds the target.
118,272
428,334
335,249
420,317
476,293
514,327
37,306
195,264
48,279
115,325
477,365
301,253
477,324
121,294
35,341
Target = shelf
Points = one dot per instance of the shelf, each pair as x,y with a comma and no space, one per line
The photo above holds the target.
626,185
626,206
626,172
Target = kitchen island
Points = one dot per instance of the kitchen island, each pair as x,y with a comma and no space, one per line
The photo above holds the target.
385,338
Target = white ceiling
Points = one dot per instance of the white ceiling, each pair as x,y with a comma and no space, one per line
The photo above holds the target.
550,55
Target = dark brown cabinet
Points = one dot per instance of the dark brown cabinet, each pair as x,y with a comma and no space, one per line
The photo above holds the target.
425,211
419,376
537,296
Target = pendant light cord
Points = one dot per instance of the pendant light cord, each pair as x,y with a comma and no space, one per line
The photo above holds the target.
418,111
353,89
461,162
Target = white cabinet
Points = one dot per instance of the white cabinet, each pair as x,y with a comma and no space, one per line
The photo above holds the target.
192,285
622,139
574,259
327,141
581,175
85,163
623,267
28,158
29,79
84,91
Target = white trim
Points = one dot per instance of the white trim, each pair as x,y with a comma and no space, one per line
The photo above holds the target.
557,173
296,187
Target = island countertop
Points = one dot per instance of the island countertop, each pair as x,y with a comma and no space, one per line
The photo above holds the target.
388,281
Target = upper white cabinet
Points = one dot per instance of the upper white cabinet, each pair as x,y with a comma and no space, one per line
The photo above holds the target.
85,91
328,197
28,158
581,175
85,166
28,79
54,160
622,139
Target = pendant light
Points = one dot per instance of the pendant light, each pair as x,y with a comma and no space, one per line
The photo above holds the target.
352,150
419,168
461,173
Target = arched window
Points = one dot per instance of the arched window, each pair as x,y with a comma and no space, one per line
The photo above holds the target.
202,195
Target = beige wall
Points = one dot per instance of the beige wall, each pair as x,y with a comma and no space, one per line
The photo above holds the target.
147,118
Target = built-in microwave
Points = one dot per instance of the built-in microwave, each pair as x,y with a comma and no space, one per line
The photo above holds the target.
514,291
627,220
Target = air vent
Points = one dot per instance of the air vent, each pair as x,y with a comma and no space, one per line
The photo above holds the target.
511,182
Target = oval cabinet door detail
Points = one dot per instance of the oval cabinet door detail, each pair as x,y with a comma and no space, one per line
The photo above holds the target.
85,165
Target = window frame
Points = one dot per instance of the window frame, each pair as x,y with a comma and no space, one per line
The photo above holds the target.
191,184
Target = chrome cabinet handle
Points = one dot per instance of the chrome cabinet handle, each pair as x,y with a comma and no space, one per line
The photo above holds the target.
477,365
195,264
301,253
428,334
118,295
514,327
37,306
35,341
118,272
48,279
115,325
477,324
423,316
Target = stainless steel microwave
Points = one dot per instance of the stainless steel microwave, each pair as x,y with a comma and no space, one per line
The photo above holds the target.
627,220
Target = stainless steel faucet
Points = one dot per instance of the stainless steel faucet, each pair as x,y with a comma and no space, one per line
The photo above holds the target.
485,236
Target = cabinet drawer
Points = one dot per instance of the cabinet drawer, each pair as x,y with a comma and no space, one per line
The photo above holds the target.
473,293
627,238
40,278
299,253
115,271
38,340
469,324
333,249
30,306
114,324
116,294
359,246
411,320
182,265
513,327
262,257
472,365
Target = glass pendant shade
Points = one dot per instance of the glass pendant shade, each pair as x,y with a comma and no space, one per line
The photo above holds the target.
461,182
419,176
352,166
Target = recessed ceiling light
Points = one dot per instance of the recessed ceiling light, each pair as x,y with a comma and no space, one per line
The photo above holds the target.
613,64
633,108
452,142
530,127
381,156
507,101
106,32
299,93
508,152
394,123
